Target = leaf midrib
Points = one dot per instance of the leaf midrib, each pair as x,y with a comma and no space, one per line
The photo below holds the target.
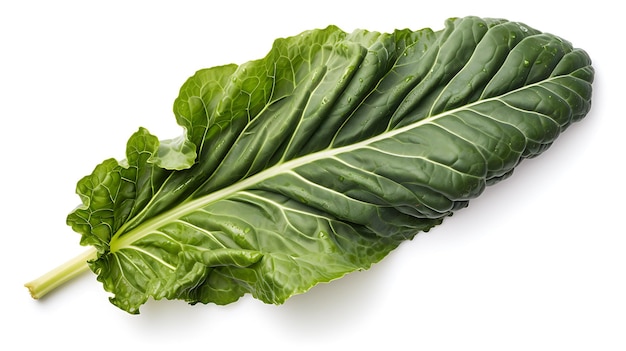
125,240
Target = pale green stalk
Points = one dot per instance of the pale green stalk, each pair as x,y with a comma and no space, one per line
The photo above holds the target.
63,273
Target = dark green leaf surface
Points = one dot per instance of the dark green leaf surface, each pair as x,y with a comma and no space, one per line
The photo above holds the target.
322,157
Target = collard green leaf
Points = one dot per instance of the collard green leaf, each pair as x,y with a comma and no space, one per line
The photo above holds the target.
322,157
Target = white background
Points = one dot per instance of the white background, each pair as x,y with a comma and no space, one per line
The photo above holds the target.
536,263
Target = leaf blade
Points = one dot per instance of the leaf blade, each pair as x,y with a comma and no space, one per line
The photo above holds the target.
412,126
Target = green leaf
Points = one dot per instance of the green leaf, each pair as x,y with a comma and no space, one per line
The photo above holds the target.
322,157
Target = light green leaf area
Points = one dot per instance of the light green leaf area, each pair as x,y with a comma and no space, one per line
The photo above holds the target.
322,157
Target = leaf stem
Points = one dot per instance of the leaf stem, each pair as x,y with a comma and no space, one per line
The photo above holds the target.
63,273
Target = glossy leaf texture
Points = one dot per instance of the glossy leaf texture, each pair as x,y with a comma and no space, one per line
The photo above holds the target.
322,157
